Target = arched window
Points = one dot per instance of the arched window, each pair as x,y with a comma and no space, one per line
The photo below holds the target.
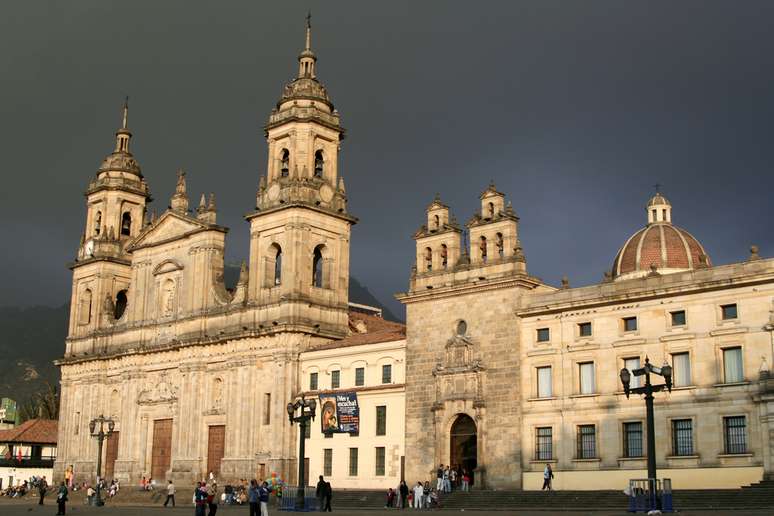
319,162
120,304
462,328
97,223
84,308
491,210
428,259
285,163
317,266
126,223
437,221
499,245
444,256
482,248
276,250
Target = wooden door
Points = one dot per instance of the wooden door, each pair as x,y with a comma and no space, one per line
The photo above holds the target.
216,444
111,454
161,454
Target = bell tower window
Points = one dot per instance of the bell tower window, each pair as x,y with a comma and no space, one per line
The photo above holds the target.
437,223
499,245
97,223
317,267
482,248
84,308
120,304
319,163
126,224
276,250
491,210
285,163
444,256
428,259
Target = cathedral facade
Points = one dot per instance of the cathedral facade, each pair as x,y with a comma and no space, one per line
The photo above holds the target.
197,376
506,373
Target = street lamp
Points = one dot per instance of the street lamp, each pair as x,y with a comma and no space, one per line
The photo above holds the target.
648,389
101,435
306,413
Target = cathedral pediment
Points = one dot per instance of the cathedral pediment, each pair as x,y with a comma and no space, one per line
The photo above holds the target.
170,226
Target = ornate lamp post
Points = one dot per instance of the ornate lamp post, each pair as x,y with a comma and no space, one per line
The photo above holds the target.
648,389
306,413
100,434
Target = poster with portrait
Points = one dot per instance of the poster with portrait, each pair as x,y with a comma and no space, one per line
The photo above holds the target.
339,413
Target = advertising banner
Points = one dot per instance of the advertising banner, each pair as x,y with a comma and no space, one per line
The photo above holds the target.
339,413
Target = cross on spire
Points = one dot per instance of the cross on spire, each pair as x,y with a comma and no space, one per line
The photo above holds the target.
658,186
126,112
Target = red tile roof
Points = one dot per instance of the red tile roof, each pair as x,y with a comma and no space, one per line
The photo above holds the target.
34,431
367,329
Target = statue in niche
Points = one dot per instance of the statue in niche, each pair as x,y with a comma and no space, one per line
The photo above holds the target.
168,297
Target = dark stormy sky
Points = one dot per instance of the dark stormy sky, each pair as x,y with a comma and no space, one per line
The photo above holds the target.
574,109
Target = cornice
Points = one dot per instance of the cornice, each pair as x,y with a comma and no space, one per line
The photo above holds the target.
524,281
299,204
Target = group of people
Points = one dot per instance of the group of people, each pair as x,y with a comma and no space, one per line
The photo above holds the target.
16,491
426,496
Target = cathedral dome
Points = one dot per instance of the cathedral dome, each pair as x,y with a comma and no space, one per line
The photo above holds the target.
306,88
660,246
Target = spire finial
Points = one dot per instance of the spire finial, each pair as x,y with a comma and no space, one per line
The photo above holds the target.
309,30
126,113
658,186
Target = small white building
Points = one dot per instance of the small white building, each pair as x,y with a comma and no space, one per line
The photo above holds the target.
359,384
27,450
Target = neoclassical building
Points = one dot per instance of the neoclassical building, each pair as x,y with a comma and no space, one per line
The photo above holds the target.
197,375
505,373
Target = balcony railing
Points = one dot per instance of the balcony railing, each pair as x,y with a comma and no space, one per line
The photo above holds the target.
28,462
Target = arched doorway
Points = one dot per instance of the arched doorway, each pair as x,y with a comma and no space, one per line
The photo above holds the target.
462,439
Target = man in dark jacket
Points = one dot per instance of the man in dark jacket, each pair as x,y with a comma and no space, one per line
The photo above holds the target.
42,488
328,495
319,493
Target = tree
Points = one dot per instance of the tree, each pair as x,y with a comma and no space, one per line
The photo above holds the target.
43,404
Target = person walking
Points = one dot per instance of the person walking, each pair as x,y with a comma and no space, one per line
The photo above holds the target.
170,494
548,475
439,478
426,492
200,498
328,496
465,480
446,480
42,488
253,497
61,499
263,498
212,498
403,491
418,495
319,493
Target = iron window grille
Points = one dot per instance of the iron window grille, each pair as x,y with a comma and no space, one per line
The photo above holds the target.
544,443
682,437
587,442
381,420
387,373
633,439
735,436
380,459
335,379
313,377
327,462
353,462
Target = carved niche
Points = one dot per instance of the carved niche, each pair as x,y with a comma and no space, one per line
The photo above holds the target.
159,391
459,374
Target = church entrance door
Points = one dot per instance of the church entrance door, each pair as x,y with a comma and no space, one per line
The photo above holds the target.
111,454
161,454
463,443
215,449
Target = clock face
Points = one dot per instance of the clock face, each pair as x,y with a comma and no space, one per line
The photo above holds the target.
88,248
326,193
274,192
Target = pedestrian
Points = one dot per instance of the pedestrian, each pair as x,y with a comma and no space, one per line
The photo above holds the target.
61,499
253,497
42,488
319,493
465,480
200,498
453,477
446,480
439,478
418,495
212,498
170,494
390,498
426,491
328,496
263,497
90,495
403,490
548,475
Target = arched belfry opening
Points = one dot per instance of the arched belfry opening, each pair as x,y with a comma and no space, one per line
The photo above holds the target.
120,304
318,279
319,163
284,163
463,444
126,224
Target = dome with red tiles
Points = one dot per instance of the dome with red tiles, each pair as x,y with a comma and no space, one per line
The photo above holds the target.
659,247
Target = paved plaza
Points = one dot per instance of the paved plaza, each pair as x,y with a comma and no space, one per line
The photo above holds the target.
13,508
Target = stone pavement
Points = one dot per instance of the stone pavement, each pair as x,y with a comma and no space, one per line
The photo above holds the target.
23,508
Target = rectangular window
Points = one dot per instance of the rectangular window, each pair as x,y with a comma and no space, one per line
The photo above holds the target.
632,439
681,369
728,312
381,420
327,462
267,408
380,457
630,324
682,437
544,382
544,443
586,375
587,442
631,364
387,373
335,379
543,335
584,329
734,434
678,318
353,462
359,376
732,365
313,381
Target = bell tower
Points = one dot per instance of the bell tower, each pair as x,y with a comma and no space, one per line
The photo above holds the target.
300,230
115,209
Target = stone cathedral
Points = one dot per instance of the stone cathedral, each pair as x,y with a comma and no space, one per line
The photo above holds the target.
156,340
